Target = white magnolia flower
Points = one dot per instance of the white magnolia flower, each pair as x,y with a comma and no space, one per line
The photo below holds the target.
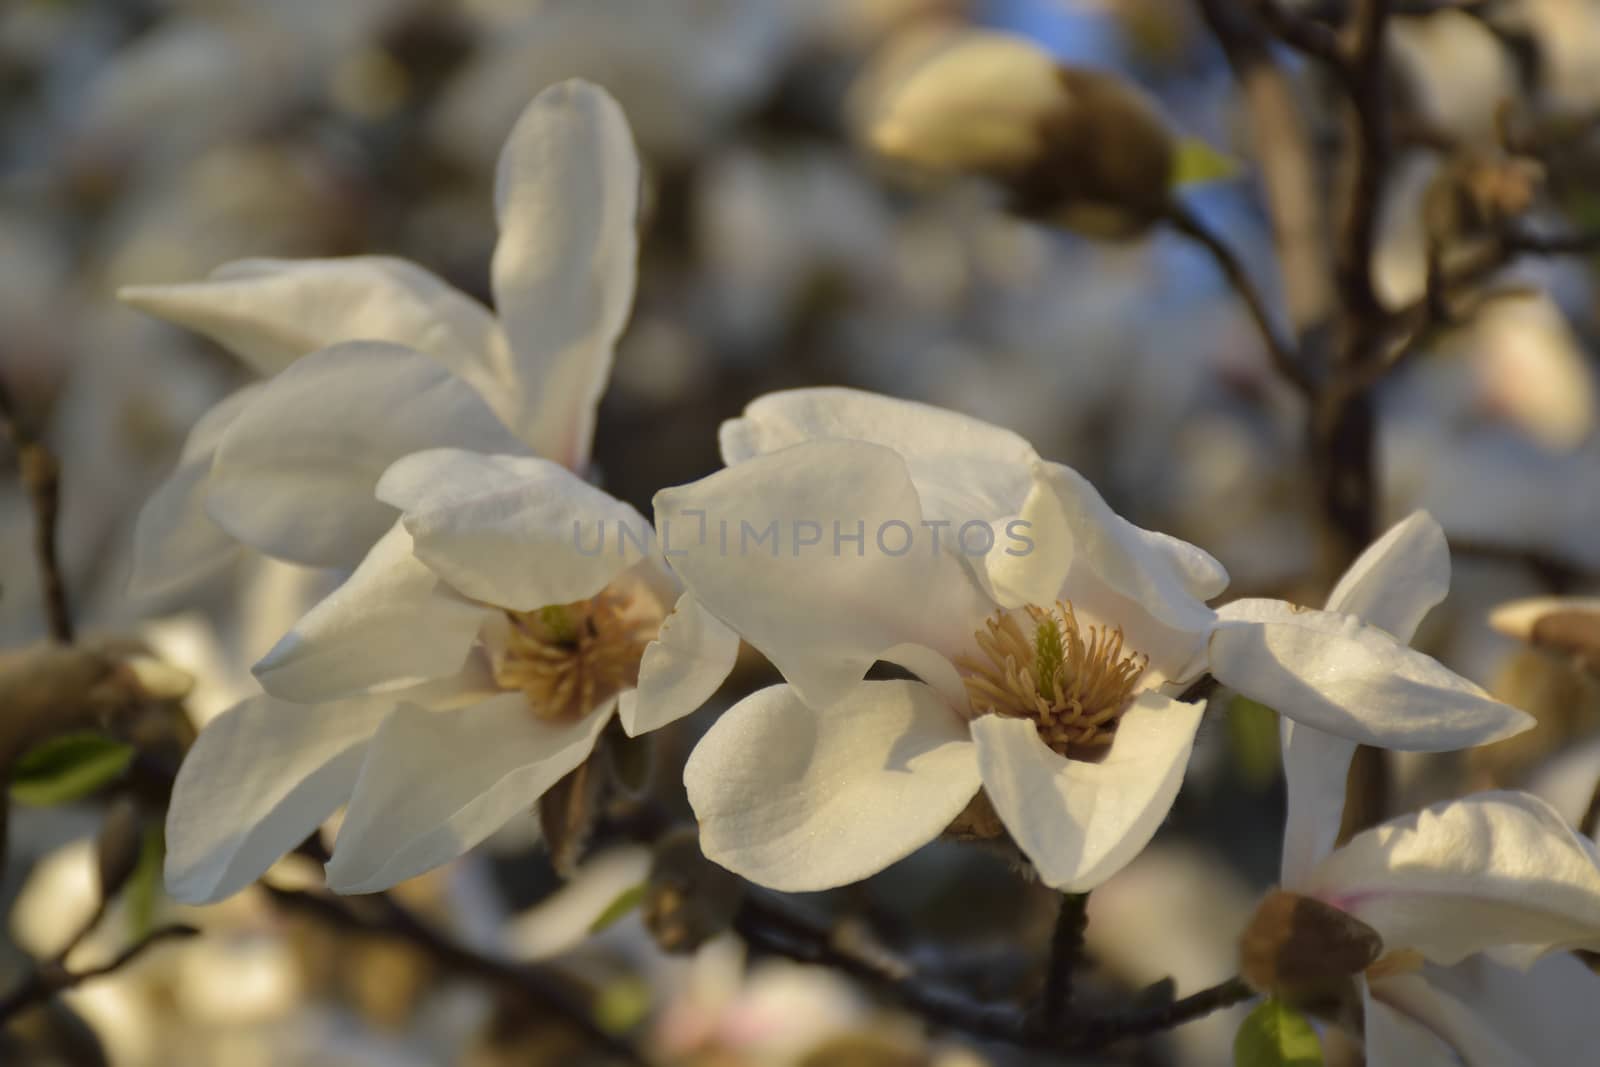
479,647
1047,662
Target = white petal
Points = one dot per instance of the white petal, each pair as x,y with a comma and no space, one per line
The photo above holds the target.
1491,871
1459,1026
295,473
259,779
392,621
1355,681
175,541
1316,767
1517,618
843,603
1079,822
797,799
963,468
566,193
1394,1039
681,668
270,312
1398,579
1545,1013
435,783
515,531
1072,525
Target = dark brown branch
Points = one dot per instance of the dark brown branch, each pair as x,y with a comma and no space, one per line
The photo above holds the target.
382,916
771,928
1590,823
1066,950
1281,350
1368,86
41,479
51,978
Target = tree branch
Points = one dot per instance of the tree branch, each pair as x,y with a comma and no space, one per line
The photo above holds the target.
41,479
1066,949
51,978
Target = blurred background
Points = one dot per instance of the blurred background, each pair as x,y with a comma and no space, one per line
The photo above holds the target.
149,141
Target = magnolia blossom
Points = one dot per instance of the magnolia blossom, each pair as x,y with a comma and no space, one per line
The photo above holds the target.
1049,640
479,646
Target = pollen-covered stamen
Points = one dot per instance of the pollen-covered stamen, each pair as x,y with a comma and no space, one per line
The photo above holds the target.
567,658
1072,681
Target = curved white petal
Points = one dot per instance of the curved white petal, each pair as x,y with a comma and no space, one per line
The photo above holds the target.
566,194
1517,618
798,799
1316,767
1073,526
1079,822
259,779
515,531
295,473
1398,579
270,312
1394,1039
843,602
1459,1026
435,783
1495,870
964,468
1339,675
1544,1013
175,541
680,669
392,621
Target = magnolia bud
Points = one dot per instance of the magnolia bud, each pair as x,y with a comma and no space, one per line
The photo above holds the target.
1299,946
688,900
1081,148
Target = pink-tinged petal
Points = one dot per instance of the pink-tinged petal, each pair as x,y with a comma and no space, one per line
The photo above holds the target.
259,779
1341,676
1080,822
175,542
686,663
1494,871
515,531
393,621
781,529
436,783
798,799
295,473
1398,579
567,197
270,312
1316,767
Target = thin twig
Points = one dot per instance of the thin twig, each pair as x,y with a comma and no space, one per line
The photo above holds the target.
1367,83
1280,349
1590,823
768,927
383,916
51,978
41,478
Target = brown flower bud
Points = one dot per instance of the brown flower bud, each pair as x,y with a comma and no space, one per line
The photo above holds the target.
688,899
1298,946
1079,148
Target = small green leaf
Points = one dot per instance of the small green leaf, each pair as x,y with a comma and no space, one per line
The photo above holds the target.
1198,163
68,768
626,901
622,1005
1253,738
1275,1035
144,887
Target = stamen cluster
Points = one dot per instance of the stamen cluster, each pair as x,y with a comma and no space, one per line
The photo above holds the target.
568,658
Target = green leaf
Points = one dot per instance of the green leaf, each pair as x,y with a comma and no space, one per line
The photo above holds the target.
1275,1035
144,887
67,768
622,1005
1198,163
1253,739
626,901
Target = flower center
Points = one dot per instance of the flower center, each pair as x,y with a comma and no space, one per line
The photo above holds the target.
567,658
1074,682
